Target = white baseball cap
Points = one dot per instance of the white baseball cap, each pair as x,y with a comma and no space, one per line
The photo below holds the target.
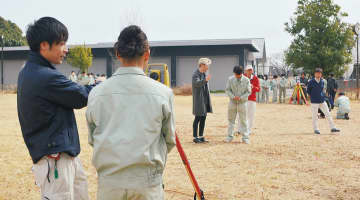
248,67
205,61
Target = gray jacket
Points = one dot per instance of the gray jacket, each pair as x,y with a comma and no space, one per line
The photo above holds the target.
131,128
238,87
201,94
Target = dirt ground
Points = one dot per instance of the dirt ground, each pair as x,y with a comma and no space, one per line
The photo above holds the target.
285,160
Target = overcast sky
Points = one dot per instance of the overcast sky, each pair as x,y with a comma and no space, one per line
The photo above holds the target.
101,21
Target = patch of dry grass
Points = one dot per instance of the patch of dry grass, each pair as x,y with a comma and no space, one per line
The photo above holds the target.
284,161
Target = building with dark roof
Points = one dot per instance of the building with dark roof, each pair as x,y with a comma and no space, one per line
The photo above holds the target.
181,57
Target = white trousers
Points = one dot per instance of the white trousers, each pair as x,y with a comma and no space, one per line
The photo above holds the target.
251,108
71,183
325,109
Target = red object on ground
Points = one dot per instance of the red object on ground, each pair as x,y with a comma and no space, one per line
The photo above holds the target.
198,192
255,87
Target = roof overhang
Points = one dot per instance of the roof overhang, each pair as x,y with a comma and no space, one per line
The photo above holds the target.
249,43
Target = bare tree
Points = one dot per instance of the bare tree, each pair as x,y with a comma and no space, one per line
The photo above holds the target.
278,65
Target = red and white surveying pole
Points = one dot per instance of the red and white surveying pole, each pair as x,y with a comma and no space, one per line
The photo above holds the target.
198,192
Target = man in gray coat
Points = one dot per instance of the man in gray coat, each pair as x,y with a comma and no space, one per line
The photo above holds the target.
201,98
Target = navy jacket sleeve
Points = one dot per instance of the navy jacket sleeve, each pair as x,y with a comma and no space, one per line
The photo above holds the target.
309,87
66,93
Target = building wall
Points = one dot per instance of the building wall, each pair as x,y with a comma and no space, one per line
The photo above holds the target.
220,69
11,71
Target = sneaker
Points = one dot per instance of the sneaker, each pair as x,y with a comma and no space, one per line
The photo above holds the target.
335,130
202,140
347,116
246,141
196,140
317,132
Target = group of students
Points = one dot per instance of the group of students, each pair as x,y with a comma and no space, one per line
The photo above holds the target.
87,79
240,88
130,119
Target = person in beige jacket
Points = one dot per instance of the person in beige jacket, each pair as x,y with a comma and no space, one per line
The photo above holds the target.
131,125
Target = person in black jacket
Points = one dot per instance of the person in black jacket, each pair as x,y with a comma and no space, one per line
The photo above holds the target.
46,99
316,91
332,87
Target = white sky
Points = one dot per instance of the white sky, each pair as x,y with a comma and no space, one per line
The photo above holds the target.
94,21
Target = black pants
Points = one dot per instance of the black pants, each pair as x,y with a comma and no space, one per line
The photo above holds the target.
199,120
332,95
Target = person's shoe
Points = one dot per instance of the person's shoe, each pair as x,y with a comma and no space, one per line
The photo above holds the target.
246,141
202,140
196,140
317,132
335,130
347,116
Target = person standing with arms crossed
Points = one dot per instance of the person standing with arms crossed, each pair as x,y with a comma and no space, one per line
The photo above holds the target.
201,99
46,99
238,89
251,104
315,90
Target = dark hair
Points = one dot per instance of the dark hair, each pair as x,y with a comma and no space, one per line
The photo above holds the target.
266,77
238,70
46,29
331,74
318,70
132,43
103,75
275,76
341,94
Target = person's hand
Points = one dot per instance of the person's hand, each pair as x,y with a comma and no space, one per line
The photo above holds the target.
208,77
237,98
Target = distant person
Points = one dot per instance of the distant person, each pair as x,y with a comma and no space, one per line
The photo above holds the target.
259,95
265,89
251,104
238,89
83,79
73,77
332,87
275,88
343,103
303,83
46,99
282,87
92,79
316,92
201,99
131,125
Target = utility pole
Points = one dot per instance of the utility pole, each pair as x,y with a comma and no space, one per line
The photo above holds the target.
2,62
357,32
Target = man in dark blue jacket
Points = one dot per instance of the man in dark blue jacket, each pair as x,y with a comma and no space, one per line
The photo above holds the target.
46,99
315,89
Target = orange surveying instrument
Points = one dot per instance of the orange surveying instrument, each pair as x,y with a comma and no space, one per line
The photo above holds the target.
198,192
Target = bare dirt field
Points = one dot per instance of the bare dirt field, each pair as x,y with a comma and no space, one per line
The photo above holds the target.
285,160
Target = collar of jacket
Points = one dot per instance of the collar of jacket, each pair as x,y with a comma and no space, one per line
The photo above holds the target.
37,58
129,70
